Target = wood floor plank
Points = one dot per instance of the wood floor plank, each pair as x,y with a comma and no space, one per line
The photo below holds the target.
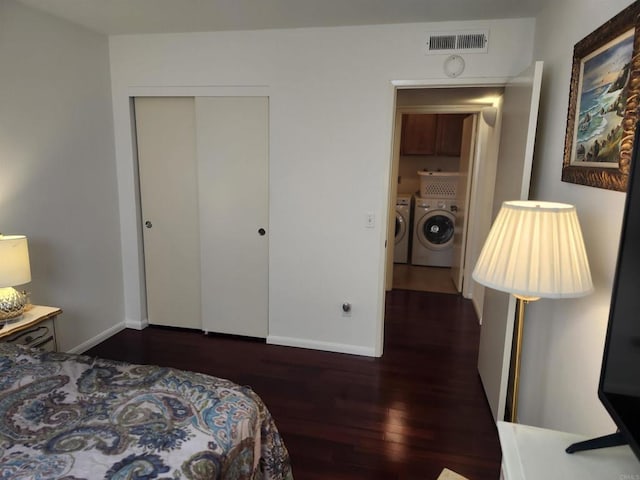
418,409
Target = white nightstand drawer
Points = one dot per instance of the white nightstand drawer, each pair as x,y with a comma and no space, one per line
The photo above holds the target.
41,335
36,328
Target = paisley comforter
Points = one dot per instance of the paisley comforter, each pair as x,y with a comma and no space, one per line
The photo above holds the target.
71,417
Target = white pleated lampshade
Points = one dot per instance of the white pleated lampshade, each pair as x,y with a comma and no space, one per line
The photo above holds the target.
535,250
14,261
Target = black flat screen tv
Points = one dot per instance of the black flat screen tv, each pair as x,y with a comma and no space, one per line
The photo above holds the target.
619,387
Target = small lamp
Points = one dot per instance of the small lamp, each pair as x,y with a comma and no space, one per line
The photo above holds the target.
534,250
14,270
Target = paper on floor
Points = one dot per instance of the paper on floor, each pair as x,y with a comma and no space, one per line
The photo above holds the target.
447,474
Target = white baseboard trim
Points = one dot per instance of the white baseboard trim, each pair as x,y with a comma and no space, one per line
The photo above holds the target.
137,324
92,342
325,346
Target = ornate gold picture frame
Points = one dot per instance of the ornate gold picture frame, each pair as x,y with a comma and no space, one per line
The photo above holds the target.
603,103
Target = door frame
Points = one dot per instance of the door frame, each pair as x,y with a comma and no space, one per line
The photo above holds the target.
471,109
462,278
131,239
496,134
394,158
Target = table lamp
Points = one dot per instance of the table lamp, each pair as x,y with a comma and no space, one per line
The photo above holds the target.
534,250
14,270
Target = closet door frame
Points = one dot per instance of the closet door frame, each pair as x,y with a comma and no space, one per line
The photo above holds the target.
135,309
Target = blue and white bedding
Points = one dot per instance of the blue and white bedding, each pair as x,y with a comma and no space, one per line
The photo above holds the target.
72,417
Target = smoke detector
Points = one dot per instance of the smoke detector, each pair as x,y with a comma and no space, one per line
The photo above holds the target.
453,66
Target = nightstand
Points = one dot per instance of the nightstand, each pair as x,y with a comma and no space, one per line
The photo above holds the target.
531,453
35,329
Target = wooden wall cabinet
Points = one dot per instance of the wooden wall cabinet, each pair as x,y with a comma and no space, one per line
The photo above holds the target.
449,134
431,134
419,133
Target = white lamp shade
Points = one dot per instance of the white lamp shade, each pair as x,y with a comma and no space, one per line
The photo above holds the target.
14,261
535,249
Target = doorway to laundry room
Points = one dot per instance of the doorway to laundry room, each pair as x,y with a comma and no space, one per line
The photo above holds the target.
505,128
441,136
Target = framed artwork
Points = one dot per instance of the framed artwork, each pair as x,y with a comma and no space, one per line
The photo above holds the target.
603,103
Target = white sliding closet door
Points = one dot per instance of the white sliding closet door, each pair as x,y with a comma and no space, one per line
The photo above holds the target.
166,140
233,163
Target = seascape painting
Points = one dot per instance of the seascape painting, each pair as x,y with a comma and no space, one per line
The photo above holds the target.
602,99
604,104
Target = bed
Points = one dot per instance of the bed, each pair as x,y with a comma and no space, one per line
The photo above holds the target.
69,417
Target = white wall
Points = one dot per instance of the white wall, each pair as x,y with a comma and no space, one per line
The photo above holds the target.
58,180
331,115
563,340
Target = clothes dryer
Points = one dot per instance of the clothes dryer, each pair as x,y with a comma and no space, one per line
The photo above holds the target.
433,232
403,222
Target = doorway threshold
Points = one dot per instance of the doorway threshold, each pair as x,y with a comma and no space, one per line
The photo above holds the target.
423,279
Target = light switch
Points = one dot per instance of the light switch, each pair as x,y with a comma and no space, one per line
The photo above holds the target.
370,221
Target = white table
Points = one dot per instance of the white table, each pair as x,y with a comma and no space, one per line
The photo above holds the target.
531,453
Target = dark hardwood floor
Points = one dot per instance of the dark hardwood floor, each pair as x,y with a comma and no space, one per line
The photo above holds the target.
407,415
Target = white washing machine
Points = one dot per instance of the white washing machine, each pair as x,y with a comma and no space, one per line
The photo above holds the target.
403,222
433,229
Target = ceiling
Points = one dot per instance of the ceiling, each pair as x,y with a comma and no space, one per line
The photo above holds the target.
174,16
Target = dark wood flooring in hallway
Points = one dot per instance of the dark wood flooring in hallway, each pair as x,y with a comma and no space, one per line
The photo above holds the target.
407,415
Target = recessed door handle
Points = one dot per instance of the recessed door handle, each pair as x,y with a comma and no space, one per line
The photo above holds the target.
262,231
148,224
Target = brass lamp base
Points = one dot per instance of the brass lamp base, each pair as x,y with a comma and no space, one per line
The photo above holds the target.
519,326
517,348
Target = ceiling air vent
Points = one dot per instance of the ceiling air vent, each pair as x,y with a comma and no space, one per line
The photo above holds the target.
458,42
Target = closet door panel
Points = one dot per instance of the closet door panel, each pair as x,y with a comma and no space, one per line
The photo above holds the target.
233,159
165,128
